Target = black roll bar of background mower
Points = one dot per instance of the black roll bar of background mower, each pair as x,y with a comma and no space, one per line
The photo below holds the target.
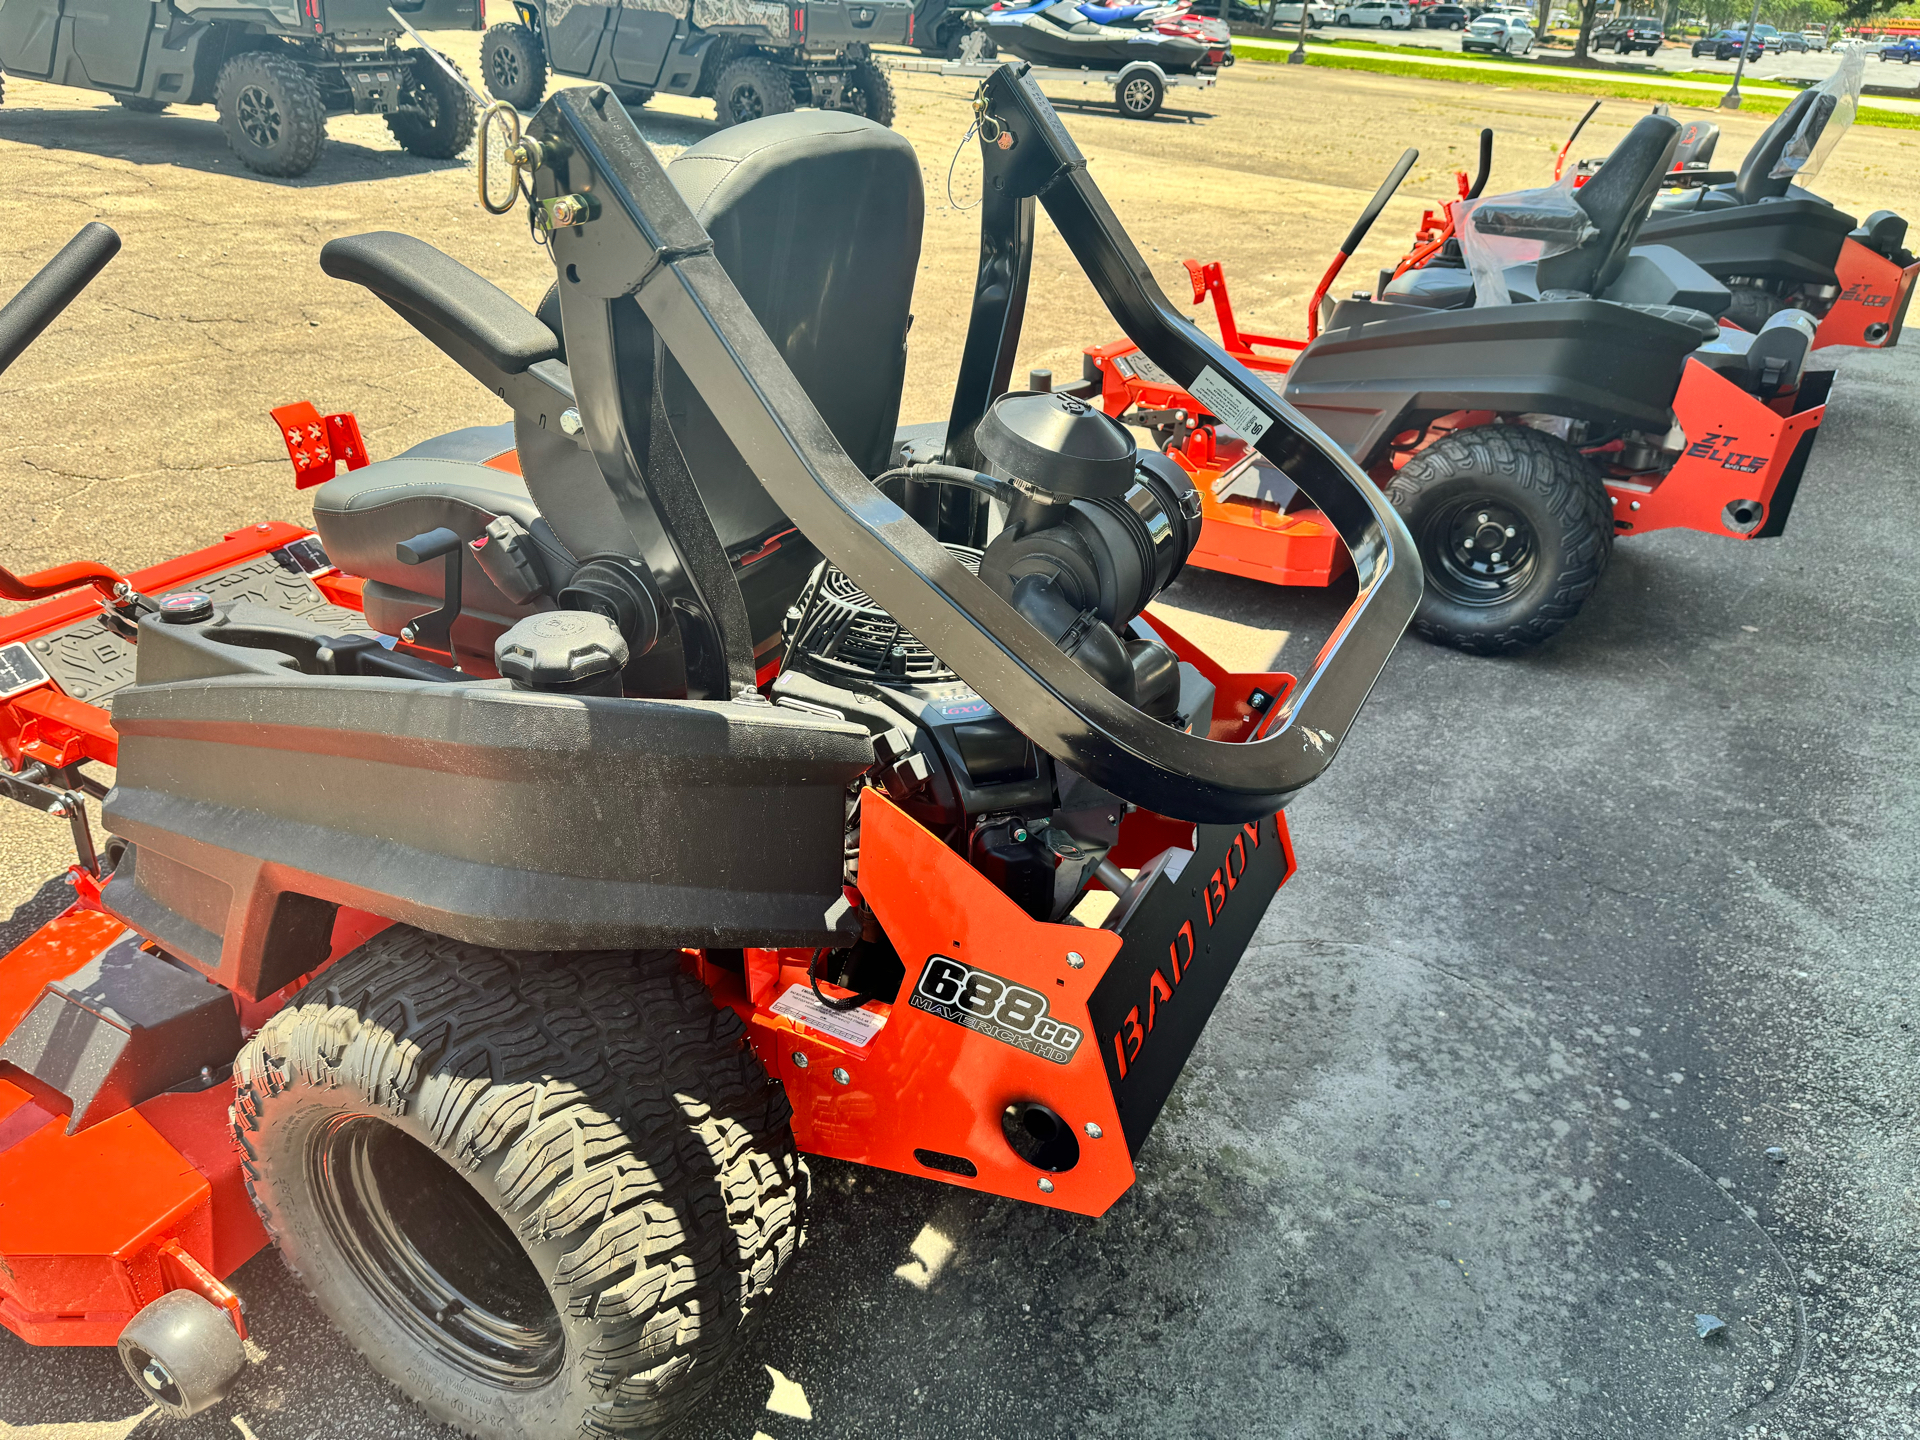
639,240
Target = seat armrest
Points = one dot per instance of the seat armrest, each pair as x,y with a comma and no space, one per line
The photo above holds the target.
443,300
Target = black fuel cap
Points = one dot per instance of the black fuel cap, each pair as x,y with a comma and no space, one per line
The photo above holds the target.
185,607
1057,443
563,650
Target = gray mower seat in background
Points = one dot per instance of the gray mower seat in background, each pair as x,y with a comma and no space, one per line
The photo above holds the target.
363,515
1432,287
1617,199
477,443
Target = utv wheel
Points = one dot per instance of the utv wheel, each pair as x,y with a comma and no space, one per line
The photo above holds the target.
1513,528
1139,95
439,119
270,108
547,1195
513,63
749,89
141,105
868,93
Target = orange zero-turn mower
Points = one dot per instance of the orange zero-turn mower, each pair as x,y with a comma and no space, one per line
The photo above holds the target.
508,880
1517,440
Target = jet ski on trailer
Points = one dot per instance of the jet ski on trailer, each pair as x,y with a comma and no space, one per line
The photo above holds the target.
1059,34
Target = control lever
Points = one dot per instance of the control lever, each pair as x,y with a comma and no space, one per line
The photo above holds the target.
435,630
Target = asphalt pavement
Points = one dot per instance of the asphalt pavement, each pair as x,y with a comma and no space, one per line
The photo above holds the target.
1489,1116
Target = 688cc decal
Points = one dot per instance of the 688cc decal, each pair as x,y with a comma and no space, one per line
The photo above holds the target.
995,1006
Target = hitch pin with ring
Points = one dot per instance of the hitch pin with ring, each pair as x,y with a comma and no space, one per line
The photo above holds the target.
523,157
991,129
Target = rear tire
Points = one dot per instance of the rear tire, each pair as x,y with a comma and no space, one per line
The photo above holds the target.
547,1195
1513,528
750,88
869,93
439,123
141,105
271,111
1139,95
513,63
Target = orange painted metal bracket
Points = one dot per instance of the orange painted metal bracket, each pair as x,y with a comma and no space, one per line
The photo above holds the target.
180,1272
1742,466
999,1013
1873,300
925,1094
317,444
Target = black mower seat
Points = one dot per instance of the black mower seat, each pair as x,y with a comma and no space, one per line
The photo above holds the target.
1432,287
816,216
363,516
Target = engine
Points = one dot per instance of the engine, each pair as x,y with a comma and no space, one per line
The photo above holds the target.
1085,531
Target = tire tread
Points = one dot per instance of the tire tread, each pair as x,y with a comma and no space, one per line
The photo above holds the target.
564,1074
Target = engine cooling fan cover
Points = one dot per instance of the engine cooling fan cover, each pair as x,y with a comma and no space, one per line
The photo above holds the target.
837,630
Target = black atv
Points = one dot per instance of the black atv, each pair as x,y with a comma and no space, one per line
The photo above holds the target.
755,57
1518,439
275,73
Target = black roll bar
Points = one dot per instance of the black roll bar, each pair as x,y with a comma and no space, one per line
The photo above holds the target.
641,242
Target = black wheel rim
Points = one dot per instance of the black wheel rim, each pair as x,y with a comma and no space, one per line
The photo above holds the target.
434,1255
506,69
258,117
745,104
1478,552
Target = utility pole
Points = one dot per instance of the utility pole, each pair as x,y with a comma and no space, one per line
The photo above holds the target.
1298,56
1732,100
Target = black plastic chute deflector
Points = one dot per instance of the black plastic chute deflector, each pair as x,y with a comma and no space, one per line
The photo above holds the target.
644,243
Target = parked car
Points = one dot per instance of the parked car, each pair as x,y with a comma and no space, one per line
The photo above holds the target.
1499,34
1445,17
1906,51
1816,41
1768,36
1380,14
1727,45
1318,15
1789,41
1629,33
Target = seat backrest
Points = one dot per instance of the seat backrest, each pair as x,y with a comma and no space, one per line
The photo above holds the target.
1617,200
816,217
1754,182
1698,139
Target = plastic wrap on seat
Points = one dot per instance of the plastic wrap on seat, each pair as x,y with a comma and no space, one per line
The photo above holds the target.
1518,228
1823,123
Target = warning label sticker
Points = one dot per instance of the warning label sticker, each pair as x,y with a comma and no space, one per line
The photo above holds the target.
1229,406
856,1027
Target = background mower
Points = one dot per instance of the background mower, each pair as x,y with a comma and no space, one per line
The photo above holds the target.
1516,439
509,878
1777,245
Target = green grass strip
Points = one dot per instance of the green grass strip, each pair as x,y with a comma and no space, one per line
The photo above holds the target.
1753,102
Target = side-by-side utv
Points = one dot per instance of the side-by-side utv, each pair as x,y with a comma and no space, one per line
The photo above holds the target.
274,71
1516,439
508,880
755,57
